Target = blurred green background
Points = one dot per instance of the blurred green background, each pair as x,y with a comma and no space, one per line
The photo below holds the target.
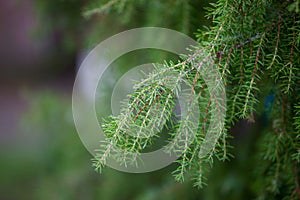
41,155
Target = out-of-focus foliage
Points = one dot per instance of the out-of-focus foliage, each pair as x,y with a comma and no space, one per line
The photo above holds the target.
74,26
62,20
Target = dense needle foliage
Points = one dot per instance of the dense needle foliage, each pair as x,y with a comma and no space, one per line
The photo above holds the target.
255,47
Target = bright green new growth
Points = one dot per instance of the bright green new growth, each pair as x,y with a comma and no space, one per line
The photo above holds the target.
254,45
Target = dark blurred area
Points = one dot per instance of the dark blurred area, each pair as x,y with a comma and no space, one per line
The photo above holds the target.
41,155
38,55
32,58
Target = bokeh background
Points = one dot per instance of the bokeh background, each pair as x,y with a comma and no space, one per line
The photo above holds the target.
42,43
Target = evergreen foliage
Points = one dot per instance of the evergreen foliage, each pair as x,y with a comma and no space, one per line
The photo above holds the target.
255,46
